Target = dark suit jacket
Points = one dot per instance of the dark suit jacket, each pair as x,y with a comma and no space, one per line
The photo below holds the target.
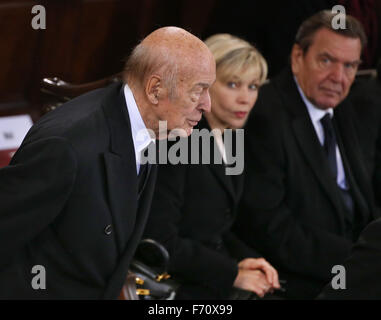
362,269
377,169
72,181
192,212
292,208
366,98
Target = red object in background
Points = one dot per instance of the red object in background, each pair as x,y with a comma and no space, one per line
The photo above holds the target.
365,12
12,132
6,156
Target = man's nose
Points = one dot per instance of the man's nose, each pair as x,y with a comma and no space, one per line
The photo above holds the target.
205,104
337,72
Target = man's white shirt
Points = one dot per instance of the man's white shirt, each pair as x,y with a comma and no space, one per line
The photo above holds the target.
140,134
316,115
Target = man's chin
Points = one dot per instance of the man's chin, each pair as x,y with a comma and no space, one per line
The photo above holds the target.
180,132
325,104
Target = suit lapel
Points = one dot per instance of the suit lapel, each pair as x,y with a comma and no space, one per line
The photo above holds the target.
117,279
355,171
218,170
120,166
307,139
226,181
238,182
122,184
315,157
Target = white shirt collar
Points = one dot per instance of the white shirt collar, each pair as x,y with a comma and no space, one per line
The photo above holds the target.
220,143
315,113
140,134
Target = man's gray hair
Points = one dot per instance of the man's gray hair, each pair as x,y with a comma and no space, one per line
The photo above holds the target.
323,19
145,61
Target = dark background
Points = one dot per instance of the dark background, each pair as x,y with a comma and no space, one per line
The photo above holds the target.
86,40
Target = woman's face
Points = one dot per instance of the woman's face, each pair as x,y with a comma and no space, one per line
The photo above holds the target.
232,101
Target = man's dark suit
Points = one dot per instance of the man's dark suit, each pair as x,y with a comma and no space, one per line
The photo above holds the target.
292,209
362,269
192,211
366,98
69,202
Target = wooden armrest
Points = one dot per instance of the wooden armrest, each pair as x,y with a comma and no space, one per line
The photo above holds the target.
58,91
66,91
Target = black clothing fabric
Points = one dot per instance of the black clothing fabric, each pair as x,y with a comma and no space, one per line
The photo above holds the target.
68,202
292,208
193,209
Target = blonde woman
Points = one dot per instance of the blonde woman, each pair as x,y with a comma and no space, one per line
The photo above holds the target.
194,206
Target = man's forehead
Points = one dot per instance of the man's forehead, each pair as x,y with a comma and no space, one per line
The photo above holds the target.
198,76
332,56
205,81
336,54
336,44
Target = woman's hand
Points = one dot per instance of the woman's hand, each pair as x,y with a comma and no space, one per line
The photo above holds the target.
263,270
252,280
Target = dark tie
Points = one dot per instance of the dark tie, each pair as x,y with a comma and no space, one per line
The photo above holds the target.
330,143
330,149
143,171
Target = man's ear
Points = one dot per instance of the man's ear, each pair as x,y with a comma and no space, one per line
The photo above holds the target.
153,88
296,58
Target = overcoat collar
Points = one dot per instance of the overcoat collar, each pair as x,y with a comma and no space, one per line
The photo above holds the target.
129,217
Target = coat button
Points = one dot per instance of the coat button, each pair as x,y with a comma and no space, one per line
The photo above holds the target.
108,229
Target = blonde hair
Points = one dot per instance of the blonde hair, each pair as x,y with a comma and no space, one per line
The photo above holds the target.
235,56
